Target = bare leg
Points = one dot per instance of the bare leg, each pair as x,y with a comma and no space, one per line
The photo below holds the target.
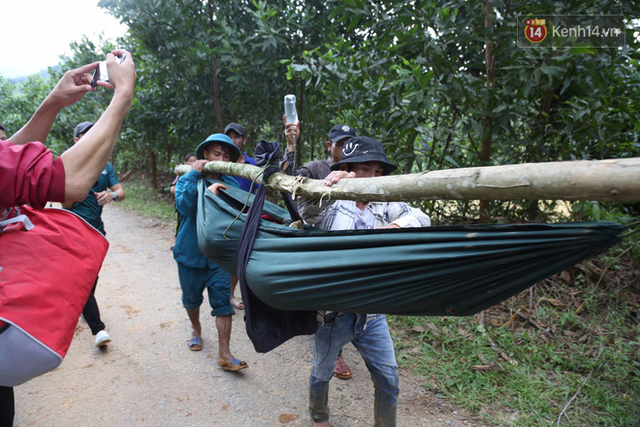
225,358
235,302
195,343
194,317
234,284
223,324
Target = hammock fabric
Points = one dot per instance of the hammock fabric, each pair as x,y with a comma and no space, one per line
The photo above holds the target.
435,271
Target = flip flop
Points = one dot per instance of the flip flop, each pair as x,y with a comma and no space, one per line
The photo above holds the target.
237,303
233,365
195,344
341,370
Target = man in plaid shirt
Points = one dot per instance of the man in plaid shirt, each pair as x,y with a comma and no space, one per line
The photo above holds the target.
362,157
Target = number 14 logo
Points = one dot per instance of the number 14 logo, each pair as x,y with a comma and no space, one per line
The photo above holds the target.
535,31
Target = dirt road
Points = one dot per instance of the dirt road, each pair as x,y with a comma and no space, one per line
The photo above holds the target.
148,377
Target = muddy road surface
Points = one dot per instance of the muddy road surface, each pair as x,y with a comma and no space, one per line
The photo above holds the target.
147,376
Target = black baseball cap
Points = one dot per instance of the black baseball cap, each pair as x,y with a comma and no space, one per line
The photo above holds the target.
236,127
362,149
82,128
339,132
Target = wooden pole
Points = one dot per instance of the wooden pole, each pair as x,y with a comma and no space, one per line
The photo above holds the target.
611,180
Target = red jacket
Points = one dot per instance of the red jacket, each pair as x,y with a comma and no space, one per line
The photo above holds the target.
29,175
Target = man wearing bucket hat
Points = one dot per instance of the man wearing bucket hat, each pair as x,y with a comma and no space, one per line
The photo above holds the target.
195,271
362,157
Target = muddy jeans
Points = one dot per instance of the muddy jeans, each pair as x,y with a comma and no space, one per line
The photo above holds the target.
373,341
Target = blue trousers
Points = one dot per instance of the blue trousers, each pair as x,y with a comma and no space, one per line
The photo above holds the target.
373,342
217,282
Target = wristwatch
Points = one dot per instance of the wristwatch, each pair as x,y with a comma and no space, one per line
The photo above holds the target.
115,195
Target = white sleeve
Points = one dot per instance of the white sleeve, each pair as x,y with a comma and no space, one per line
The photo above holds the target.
404,215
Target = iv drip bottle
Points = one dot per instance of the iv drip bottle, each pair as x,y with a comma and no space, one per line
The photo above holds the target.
290,108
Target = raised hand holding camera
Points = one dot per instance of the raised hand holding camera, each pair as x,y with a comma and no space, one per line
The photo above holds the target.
101,74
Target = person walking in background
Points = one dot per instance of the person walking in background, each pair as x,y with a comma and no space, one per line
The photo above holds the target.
316,169
195,271
237,134
189,159
107,189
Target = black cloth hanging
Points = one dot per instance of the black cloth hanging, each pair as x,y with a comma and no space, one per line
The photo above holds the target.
266,326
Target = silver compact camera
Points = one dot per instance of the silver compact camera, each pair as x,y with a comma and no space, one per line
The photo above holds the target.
101,74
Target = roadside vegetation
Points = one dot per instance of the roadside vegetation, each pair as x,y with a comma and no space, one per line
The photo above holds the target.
143,199
566,352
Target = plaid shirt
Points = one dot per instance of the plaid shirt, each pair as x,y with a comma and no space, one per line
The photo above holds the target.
340,215
317,169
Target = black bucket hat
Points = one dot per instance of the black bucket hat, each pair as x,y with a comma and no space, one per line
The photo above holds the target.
362,149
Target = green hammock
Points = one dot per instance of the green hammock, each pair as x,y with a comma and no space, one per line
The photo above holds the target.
434,271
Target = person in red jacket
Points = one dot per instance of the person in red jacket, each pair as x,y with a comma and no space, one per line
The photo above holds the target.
30,175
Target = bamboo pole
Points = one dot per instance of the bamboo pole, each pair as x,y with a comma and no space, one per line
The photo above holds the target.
611,180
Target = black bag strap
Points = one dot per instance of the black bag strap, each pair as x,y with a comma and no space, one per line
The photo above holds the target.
267,327
268,155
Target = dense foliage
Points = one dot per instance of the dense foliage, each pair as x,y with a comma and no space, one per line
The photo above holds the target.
442,84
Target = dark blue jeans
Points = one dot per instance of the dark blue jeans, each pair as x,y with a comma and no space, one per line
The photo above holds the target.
373,342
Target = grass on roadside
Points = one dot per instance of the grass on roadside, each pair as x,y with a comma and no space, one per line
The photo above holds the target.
557,351
143,199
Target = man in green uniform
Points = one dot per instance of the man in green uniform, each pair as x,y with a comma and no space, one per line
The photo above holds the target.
107,189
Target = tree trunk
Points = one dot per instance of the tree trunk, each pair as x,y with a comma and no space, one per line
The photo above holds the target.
300,115
154,169
485,153
216,87
616,180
